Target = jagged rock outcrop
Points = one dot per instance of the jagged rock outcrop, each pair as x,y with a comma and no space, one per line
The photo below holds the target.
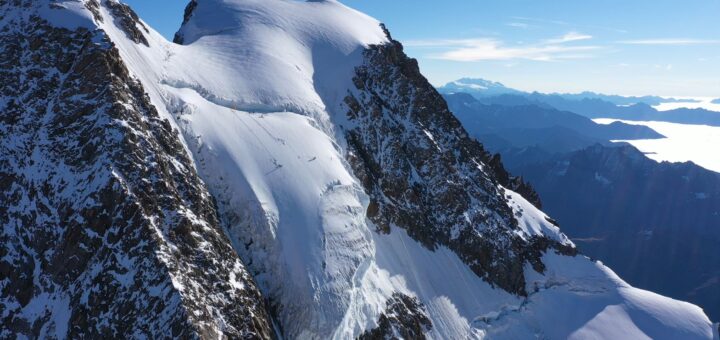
404,318
514,183
425,174
129,22
189,9
107,231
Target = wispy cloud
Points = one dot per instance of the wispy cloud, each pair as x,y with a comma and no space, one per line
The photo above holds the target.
542,21
521,25
565,23
484,49
569,37
670,42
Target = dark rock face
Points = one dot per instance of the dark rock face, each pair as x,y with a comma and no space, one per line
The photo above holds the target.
404,318
516,184
425,174
189,9
107,231
128,21
93,6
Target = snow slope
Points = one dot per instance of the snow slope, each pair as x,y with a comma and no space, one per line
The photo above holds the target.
255,93
72,16
285,55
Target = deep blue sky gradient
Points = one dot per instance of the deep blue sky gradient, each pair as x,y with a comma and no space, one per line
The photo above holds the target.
632,47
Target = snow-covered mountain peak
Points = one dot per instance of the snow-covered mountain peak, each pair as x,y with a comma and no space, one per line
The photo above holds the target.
275,55
475,86
318,157
328,21
69,14
478,82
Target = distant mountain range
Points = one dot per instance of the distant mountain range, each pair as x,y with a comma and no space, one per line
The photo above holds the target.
531,125
485,88
621,100
655,223
588,104
478,87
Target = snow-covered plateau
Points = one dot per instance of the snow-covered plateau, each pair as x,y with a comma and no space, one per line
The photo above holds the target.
279,105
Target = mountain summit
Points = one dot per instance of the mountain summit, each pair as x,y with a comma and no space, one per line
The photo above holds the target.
283,171
477,86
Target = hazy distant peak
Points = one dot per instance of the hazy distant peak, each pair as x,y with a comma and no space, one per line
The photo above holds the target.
478,81
477,86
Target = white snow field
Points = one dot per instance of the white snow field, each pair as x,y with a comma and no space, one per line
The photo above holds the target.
684,142
256,94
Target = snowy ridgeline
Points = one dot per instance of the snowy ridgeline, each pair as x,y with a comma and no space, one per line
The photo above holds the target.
257,93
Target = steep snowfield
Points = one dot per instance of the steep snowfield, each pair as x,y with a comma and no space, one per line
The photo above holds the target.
254,94
534,222
296,211
578,299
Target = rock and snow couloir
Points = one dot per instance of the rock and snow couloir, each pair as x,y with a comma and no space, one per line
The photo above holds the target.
281,144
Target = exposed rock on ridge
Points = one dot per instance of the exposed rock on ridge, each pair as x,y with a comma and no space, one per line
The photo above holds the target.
426,175
128,21
107,231
404,318
189,9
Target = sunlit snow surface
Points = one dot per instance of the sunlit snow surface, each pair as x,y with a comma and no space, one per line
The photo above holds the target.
697,143
255,97
73,16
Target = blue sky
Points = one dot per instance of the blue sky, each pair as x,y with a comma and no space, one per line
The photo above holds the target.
631,47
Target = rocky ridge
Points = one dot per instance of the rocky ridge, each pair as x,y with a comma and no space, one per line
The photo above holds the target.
107,229
424,173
